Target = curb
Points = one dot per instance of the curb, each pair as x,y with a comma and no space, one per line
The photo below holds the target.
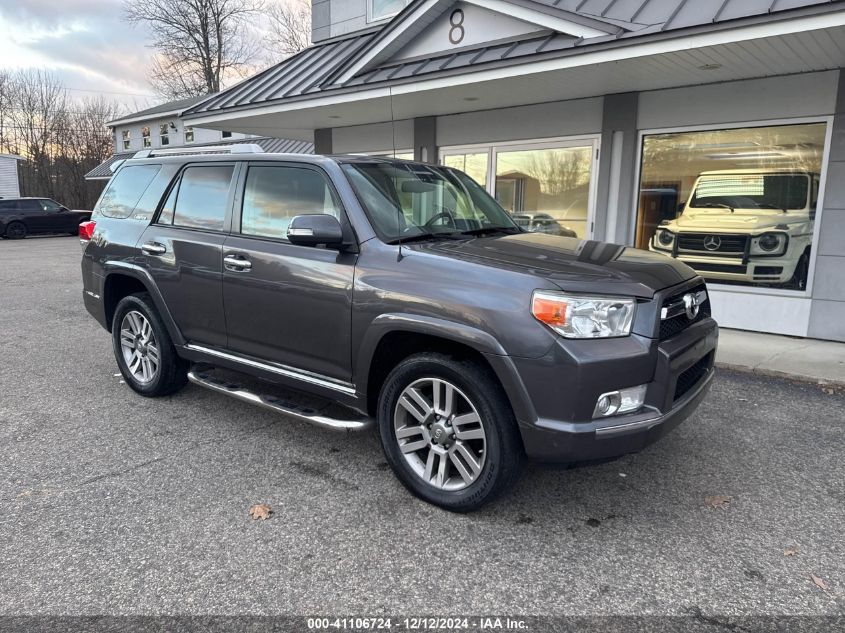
773,373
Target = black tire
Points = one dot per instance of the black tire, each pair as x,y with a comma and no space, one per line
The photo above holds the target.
802,270
16,230
504,453
172,372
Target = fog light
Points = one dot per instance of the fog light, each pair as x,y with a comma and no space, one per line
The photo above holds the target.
619,402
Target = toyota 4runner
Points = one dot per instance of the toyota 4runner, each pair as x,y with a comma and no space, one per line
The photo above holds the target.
403,292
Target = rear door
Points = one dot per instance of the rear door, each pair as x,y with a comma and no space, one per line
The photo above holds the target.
34,216
284,303
183,249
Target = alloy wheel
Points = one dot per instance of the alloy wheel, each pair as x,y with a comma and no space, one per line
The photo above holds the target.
440,434
139,347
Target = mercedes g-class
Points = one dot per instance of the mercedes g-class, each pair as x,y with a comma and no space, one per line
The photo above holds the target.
404,292
746,226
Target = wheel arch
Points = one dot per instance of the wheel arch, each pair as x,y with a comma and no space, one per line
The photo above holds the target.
123,279
394,337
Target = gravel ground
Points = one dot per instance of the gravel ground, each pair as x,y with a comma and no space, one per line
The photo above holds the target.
114,504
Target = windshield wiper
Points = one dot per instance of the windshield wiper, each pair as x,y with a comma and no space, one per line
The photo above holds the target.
422,237
713,205
507,230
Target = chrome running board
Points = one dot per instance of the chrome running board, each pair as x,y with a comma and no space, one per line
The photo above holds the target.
201,376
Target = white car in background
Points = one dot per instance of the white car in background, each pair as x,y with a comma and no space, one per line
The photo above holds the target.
747,226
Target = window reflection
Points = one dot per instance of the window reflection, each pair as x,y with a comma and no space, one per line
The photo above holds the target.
275,195
202,197
125,190
474,165
737,205
547,190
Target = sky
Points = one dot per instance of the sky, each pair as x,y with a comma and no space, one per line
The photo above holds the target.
84,42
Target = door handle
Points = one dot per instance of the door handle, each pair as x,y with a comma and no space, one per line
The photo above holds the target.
237,263
154,248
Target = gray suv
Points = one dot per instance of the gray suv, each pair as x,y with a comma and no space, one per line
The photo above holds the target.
403,292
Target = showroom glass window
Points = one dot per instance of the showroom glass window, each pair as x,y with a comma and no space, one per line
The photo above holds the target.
547,190
547,187
737,205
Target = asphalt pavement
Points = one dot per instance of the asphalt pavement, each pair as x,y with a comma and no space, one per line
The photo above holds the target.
115,504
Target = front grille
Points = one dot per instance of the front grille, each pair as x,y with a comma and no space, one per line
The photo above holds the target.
717,268
673,325
689,378
725,244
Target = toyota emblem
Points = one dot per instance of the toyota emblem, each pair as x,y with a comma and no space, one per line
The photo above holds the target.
692,305
712,242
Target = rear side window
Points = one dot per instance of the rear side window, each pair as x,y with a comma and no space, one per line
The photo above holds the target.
201,198
5,205
125,190
275,195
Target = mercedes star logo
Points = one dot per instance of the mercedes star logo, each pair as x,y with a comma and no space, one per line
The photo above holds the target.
712,242
692,305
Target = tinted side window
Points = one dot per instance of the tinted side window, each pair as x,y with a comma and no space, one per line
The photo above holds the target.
125,190
274,195
31,205
6,205
202,197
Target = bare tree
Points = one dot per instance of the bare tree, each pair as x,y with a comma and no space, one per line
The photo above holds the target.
60,139
198,43
289,28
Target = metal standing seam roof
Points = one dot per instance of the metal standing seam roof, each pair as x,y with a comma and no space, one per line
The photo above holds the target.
315,69
269,145
170,106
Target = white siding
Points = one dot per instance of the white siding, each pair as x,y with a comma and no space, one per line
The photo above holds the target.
9,183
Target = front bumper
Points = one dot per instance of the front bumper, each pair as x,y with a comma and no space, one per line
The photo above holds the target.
678,372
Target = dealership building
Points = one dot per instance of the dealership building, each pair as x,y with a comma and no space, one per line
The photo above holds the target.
708,130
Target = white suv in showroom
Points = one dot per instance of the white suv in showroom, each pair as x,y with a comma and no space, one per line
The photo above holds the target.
746,226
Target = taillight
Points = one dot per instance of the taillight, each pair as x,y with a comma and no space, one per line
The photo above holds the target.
86,230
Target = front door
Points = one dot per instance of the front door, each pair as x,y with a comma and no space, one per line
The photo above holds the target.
183,250
287,304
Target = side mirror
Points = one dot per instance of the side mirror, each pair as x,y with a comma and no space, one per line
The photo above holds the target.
310,230
681,207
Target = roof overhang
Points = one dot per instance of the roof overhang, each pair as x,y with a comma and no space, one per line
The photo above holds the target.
417,17
662,60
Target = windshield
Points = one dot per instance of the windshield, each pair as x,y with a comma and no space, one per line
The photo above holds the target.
410,201
752,191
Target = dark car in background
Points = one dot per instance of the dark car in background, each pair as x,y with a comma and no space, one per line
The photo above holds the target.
404,292
542,223
20,217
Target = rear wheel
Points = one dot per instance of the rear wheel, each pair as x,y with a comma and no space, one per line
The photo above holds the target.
448,431
144,350
16,230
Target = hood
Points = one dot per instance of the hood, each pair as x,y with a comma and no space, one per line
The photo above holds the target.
742,220
572,264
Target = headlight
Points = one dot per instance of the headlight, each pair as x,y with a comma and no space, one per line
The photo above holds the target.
580,316
665,238
769,244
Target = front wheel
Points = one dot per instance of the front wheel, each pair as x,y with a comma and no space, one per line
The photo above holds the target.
448,431
802,271
143,348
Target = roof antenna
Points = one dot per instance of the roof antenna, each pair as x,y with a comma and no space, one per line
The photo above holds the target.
393,134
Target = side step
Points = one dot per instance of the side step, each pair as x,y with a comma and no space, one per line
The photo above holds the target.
202,375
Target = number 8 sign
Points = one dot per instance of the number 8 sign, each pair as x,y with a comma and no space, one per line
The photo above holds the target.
457,32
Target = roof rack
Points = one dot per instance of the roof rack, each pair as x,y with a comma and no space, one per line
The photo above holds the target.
236,148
